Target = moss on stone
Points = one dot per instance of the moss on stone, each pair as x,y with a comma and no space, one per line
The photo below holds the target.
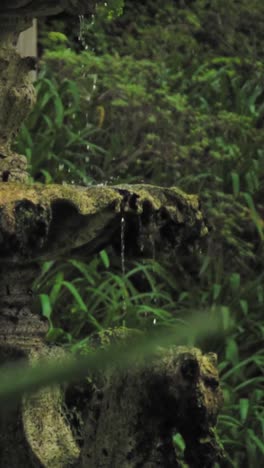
60,218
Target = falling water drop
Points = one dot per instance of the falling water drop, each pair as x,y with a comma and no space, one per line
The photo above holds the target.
153,247
140,235
84,44
123,226
123,266
94,82
81,19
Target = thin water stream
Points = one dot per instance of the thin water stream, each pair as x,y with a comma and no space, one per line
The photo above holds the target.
82,37
81,19
123,260
153,247
140,235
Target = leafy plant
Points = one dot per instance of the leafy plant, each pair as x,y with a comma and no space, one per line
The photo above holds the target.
85,298
57,136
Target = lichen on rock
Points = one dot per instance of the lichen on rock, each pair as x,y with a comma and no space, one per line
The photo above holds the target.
176,391
17,97
54,220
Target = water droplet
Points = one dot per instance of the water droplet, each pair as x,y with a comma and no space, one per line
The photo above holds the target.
81,19
123,260
123,227
154,321
140,235
153,247
61,167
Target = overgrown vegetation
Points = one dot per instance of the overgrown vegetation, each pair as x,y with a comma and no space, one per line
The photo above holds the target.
173,95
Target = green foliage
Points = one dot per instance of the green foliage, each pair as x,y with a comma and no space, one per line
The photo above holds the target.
86,298
57,134
111,9
169,94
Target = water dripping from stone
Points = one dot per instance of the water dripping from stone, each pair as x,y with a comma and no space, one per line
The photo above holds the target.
153,247
82,39
81,19
123,259
140,235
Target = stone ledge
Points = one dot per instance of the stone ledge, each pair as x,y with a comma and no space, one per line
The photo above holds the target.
53,220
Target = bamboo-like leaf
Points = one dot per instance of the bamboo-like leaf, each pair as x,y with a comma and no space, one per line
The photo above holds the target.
75,293
243,407
105,258
46,305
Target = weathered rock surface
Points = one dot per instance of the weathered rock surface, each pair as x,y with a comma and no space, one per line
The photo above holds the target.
17,97
134,413
54,220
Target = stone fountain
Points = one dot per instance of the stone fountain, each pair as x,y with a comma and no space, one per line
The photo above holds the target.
53,221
